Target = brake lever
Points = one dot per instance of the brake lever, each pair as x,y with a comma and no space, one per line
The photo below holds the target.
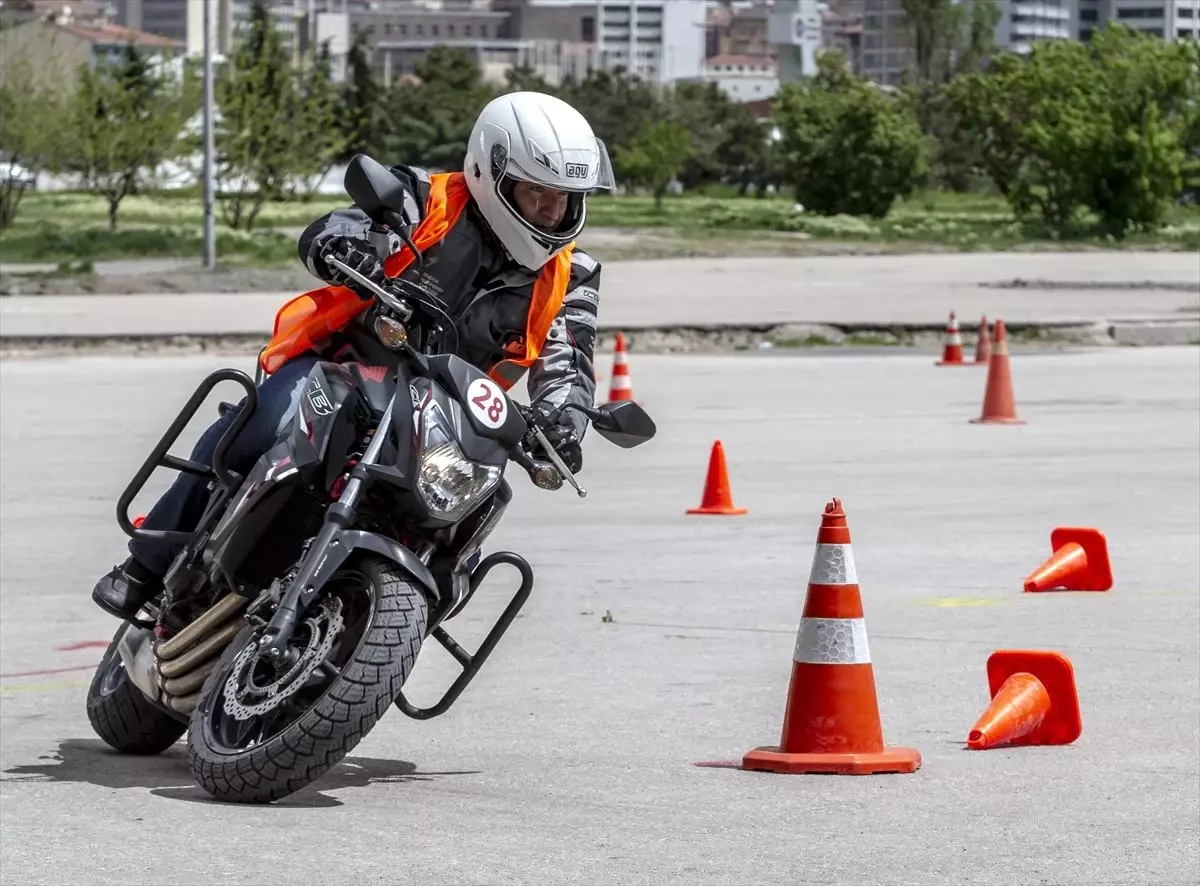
558,462
382,294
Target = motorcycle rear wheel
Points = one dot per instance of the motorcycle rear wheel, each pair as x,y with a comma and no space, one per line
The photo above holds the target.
119,712
297,742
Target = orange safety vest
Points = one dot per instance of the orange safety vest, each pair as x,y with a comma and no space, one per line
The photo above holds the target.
309,320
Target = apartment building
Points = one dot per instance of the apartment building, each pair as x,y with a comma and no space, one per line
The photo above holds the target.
659,40
59,46
744,78
887,49
402,34
1024,23
1168,19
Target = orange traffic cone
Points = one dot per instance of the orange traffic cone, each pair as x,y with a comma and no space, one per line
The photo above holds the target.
621,386
138,521
998,405
1079,562
717,498
831,723
1034,701
983,344
952,354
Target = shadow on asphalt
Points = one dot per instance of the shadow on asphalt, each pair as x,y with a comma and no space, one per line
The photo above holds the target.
167,775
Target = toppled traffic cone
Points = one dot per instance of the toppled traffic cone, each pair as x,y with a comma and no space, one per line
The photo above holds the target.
717,498
998,405
1079,562
952,354
621,386
983,344
1034,701
831,723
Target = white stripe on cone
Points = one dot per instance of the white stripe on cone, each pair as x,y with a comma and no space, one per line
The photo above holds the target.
832,641
833,565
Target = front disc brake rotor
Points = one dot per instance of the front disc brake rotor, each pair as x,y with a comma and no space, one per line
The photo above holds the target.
243,698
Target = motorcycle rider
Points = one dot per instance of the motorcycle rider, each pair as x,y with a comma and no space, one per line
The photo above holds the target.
498,244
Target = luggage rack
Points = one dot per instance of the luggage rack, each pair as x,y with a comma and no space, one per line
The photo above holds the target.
227,480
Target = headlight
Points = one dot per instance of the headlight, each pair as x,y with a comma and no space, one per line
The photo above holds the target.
447,480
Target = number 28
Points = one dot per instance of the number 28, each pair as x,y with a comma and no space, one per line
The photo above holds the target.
495,409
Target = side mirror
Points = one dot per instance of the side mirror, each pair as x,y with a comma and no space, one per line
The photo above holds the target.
624,423
379,194
375,189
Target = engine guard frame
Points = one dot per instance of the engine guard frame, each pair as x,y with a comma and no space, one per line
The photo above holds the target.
160,456
471,663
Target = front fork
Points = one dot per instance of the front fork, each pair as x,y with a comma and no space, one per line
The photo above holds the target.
340,515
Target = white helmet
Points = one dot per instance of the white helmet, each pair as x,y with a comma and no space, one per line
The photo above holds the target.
529,136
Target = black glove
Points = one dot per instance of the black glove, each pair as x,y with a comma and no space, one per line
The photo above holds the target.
359,256
561,434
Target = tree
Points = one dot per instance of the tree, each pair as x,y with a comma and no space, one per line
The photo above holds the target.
320,134
949,38
1101,128
655,156
744,154
430,120
526,79
362,101
124,119
277,125
847,146
254,136
1151,90
617,105
31,125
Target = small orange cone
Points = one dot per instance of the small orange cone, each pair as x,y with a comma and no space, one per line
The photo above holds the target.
952,354
1034,701
621,386
138,521
717,498
1079,562
831,723
983,344
998,405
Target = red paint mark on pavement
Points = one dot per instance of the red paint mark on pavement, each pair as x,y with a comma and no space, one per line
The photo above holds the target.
84,644
47,671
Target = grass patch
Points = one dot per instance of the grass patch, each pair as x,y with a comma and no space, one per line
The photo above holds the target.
876,339
83,246
968,222
71,226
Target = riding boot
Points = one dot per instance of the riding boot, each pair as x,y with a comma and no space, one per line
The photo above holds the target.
126,589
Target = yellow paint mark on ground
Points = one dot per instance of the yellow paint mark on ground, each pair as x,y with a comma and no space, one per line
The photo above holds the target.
45,686
962,602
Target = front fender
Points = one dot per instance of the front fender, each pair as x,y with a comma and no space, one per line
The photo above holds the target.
346,541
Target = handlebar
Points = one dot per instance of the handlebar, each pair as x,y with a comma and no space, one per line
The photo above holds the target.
545,475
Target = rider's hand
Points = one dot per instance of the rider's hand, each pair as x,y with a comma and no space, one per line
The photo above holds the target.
359,256
561,434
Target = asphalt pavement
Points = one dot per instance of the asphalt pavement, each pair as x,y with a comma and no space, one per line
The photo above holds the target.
572,758
921,289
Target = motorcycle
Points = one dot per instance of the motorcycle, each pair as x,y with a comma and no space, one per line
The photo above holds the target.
296,610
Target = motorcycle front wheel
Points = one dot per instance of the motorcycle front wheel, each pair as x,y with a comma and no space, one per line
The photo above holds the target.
261,733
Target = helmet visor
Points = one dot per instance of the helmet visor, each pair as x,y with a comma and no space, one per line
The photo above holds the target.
573,169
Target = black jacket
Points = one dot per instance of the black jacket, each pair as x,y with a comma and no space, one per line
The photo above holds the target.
487,294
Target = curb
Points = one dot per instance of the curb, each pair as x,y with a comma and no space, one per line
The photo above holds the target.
694,337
